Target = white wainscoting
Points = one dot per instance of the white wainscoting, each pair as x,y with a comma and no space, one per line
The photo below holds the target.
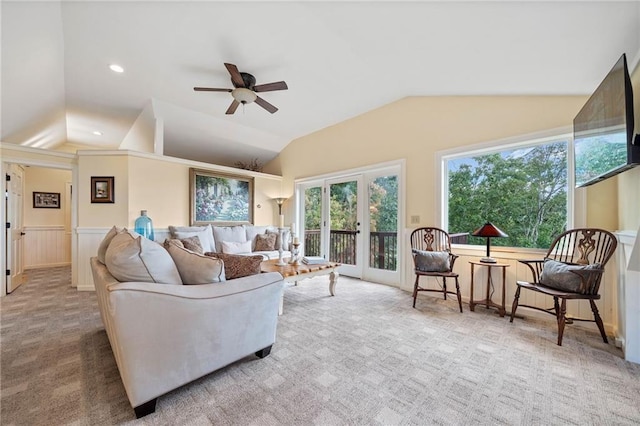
46,246
88,242
607,305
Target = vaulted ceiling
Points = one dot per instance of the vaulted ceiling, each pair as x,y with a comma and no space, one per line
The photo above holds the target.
339,59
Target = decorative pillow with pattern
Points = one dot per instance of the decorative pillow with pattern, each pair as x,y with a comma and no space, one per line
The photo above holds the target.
558,275
266,242
236,266
431,261
193,244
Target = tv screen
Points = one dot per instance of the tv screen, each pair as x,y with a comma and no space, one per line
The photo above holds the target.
603,129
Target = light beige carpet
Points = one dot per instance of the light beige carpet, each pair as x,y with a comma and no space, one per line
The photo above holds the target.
361,357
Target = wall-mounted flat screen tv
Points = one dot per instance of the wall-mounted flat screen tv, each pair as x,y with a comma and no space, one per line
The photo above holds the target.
603,129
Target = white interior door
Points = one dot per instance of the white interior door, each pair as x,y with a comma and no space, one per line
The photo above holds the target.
14,251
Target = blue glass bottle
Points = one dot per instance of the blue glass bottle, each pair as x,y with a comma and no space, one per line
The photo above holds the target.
144,225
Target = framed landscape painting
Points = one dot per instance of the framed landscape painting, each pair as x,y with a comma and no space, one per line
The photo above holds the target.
220,199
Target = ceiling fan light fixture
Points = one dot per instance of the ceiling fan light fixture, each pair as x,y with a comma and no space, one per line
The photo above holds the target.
244,96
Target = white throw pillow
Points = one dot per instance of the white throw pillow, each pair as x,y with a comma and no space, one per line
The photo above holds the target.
204,233
235,234
231,247
195,268
102,249
130,257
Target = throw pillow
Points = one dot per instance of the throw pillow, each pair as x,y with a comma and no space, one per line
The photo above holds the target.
102,249
558,275
130,257
286,237
251,232
204,233
234,234
231,247
236,266
193,244
174,241
196,268
431,261
266,242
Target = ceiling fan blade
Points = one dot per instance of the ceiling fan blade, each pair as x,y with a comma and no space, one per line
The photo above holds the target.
269,87
211,89
236,78
266,105
232,108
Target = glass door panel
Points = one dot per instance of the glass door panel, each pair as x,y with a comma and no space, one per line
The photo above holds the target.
383,223
345,238
312,227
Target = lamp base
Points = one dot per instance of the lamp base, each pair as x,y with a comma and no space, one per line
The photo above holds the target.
488,260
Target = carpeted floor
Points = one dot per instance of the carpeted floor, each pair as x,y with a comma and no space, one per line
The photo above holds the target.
362,357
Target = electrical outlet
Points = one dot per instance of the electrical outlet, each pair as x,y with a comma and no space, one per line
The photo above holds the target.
415,219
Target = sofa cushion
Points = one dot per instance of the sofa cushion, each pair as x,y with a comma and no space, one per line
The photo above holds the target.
196,268
558,275
231,247
192,244
204,233
252,231
237,266
102,249
265,242
234,234
431,261
130,257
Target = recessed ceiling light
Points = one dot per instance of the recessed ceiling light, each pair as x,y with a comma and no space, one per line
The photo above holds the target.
97,133
116,68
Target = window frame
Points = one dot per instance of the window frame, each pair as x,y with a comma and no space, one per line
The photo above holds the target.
576,197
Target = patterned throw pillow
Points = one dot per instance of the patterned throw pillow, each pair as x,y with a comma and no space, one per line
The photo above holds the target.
236,266
431,261
266,242
558,275
193,244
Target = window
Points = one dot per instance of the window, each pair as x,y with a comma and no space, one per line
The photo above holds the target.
521,188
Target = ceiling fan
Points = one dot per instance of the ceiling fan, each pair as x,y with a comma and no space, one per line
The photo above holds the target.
245,90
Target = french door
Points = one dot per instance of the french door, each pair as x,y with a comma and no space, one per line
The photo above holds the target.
353,220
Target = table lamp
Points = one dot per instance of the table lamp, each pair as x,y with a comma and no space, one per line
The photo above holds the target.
489,231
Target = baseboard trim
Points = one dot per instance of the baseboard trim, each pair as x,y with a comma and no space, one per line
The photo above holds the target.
47,265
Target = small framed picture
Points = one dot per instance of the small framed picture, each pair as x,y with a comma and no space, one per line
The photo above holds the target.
102,189
46,200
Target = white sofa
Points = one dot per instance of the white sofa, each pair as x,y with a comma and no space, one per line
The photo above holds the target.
166,335
213,238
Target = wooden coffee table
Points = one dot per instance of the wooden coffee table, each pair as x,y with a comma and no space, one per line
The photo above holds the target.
295,273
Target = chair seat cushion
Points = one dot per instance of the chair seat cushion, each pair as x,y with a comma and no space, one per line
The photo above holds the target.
431,261
558,275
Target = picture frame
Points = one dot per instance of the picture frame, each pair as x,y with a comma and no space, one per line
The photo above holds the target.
46,200
102,189
220,198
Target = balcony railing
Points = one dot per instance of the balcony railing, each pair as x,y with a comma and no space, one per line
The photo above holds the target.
342,247
383,253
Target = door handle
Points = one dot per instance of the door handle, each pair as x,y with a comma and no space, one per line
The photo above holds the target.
22,233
